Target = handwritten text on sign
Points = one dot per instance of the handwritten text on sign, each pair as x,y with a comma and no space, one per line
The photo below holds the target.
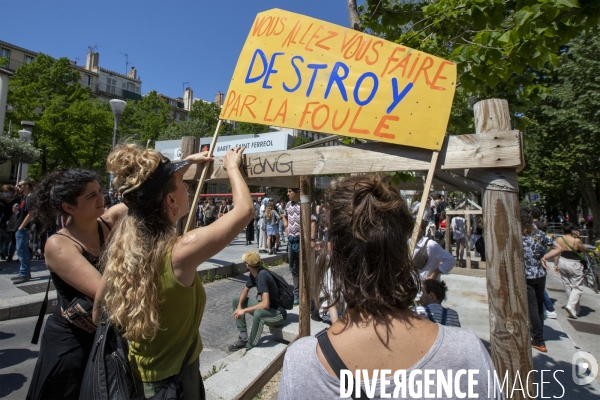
304,73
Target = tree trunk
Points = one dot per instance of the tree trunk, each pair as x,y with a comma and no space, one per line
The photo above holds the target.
353,15
589,195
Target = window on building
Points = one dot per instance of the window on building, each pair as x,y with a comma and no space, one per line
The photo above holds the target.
176,116
111,86
4,52
130,87
27,59
137,89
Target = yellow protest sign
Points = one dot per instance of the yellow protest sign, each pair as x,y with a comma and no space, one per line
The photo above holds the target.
300,72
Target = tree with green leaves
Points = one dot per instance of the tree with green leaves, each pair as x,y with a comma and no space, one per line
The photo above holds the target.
562,138
144,119
70,130
498,45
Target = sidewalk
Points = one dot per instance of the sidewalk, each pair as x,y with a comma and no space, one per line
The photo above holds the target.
25,300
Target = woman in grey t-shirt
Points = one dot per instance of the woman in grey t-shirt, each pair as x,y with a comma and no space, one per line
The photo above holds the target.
371,269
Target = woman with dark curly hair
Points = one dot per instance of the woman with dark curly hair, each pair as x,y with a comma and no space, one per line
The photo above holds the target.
535,243
372,270
72,258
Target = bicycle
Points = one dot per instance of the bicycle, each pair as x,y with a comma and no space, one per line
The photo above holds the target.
590,271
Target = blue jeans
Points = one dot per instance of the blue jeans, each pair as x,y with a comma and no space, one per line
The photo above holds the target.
22,237
547,302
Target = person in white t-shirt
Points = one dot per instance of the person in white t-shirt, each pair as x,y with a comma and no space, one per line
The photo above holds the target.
439,261
458,234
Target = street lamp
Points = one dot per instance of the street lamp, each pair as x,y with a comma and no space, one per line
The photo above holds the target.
117,106
25,136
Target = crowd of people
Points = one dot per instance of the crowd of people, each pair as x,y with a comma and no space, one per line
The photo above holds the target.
119,261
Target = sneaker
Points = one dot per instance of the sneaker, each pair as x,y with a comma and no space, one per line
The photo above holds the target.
240,344
21,279
571,312
296,302
541,348
17,277
549,314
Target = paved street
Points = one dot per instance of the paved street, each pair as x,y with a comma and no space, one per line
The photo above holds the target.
18,355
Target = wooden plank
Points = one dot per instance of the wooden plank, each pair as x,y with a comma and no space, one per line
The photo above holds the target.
509,328
205,169
460,182
461,212
448,239
280,182
501,150
468,241
424,201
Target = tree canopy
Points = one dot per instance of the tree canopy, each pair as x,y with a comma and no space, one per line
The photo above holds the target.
562,138
498,45
70,130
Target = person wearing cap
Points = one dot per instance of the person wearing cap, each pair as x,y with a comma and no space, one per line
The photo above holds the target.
268,310
150,288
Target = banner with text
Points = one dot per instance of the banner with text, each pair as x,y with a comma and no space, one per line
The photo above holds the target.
299,72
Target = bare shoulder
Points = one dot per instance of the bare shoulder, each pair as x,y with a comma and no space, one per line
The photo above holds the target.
59,247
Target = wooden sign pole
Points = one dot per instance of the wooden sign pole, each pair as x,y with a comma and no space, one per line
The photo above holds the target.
413,242
205,169
307,257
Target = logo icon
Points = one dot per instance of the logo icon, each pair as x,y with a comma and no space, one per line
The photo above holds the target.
585,368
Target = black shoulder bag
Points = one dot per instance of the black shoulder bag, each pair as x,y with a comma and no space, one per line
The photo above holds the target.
108,375
333,359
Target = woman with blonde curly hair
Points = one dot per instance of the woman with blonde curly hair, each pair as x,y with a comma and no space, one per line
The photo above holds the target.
372,271
150,287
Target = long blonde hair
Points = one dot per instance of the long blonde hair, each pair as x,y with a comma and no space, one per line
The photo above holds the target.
136,250
269,209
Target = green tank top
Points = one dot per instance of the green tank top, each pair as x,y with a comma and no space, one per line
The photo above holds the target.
179,316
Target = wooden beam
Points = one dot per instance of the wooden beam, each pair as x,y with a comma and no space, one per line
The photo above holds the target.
279,182
457,181
507,293
462,212
307,255
500,150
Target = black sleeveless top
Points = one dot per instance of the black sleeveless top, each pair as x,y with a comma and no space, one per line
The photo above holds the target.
65,293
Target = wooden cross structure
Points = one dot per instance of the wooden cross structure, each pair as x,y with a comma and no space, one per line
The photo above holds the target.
485,162
467,213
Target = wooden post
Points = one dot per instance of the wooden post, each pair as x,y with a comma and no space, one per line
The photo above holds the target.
507,292
448,239
468,240
307,258
189,146
205,169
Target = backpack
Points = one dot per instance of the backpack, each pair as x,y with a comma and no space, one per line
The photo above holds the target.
107,374
286,295
420,259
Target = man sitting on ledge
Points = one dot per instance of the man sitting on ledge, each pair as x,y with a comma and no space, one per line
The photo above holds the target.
266,309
